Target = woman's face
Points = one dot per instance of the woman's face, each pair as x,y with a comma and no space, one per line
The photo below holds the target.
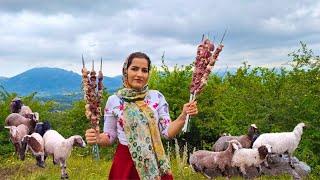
138,73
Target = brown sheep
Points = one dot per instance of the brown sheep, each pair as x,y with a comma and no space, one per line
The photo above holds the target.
245,140
15,119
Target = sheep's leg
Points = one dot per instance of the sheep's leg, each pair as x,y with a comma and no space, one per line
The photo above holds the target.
243,171
16,147
54,160
64,174
290,161
40,161
259,169
265,163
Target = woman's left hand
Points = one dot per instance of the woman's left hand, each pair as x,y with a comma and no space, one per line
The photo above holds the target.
190,108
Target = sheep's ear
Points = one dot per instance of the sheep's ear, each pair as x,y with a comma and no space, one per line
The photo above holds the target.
235,146
8,127
36,114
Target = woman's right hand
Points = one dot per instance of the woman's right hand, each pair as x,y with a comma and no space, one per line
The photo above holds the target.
91,136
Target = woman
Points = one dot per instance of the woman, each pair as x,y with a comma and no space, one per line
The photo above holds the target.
136,116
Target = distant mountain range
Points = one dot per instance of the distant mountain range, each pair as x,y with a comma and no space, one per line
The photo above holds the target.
51,82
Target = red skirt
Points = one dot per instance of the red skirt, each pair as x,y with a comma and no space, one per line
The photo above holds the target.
123,167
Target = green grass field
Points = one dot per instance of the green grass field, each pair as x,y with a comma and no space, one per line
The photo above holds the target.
83,167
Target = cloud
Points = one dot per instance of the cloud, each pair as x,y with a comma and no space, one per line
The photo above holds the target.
55,33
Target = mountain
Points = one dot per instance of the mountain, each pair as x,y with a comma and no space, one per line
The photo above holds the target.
52,81
3,79
49,82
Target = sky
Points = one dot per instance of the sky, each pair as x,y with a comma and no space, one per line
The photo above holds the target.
46,33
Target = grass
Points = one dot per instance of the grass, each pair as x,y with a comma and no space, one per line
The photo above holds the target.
78,167
81,166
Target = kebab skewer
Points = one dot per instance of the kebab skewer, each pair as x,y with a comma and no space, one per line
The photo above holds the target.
205,60
92,96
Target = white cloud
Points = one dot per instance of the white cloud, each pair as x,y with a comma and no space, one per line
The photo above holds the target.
55,34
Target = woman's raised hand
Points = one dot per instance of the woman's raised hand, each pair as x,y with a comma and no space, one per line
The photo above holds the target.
190,108
91,136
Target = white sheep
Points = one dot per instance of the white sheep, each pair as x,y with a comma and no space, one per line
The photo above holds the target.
282,142
35,144
16,135
245,157
203,159
60,148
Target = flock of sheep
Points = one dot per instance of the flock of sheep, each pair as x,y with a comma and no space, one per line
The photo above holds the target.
28,134
246,151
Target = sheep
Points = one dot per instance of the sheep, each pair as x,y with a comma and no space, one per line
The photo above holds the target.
42,127
282,142
16,135
245,157
245,140
35,144
203,159
15,119
27,113
17,106
60,148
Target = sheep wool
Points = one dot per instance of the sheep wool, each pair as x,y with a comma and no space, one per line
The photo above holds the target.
16,135
60,148
281,142
35,144
245,140
203,159
245,157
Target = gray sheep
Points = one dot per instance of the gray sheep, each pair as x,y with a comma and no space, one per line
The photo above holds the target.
203,159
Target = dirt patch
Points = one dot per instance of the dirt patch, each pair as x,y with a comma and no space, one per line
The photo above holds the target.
24,169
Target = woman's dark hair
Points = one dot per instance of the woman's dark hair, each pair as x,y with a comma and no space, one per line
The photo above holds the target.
139,55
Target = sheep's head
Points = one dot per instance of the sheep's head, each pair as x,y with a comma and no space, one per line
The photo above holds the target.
302,125
13,133
253,131
78,141
235,144
33,116
298,130
15,105
42,127
264,150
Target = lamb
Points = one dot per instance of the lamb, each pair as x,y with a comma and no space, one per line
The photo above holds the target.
16,135
282,142
15,119
245,140
35,144
203,159
60,148
245,157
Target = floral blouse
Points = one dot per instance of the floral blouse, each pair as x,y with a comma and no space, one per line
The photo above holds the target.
113,115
